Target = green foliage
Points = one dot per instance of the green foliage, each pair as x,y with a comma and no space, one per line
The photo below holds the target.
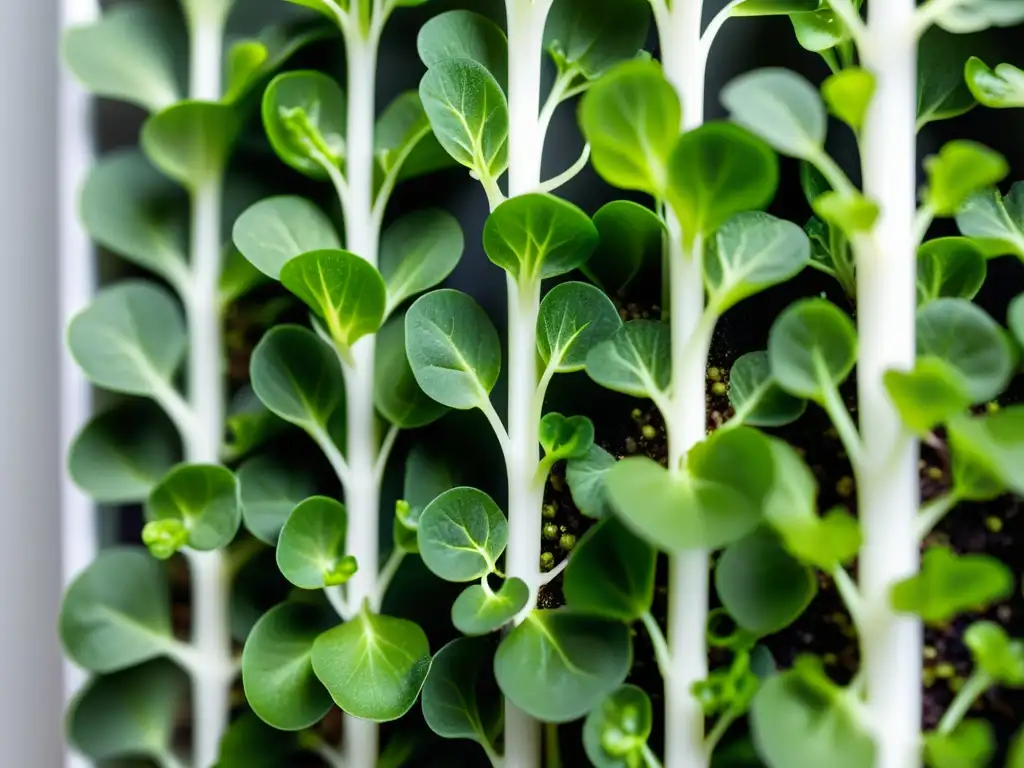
995,654
458,697
586,479
970,745
464,35
191,141
418,252
276,230
995,222
397,395
848,95
586,38
203,499
574,318
461,534
756,398
269,488
812,348
635,360
928,395
630,238
616,732
479,610
1000,87
961,169
564,437
949,267
950,584
993,444
304,117
311,547
942,92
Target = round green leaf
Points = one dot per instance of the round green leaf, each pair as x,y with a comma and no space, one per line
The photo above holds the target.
757,398
538,235
998,88
616,731
128,206
949,267
586,479
942,92
128,714
296,375
269,489
557,666
418,252
928,395
610,573
479,610
717,171
993,444
453,348
403,143
373,666
750,252
636,360
123,452
451,697
117,612
800,718
630,237
463,34
564,437
950,584
469,114
131,54
190,141
631,119
971,743
204,499
761,585
708,505
277,667
304,115
811,346
820,30
396,393
591,36
848,94
574,318
970,342
961,169
275,230
994,222
130,339
1016,318
781,107
461,534
342,288
995,653
311,547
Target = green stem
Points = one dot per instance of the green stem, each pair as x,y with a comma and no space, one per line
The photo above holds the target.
973,689
552,750
661,651
933,512
833,405
718,731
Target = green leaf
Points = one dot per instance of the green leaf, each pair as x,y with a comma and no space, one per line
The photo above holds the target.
373,666
403,142
269,489
342,288
311,547
994,443
297,376
750,252
277,667
464,35
257,586
610,573
130,339
851,212
469,114
949,267
586,479
773,7
949,584
994,222
564,437
630,236
819,31
249,423
191,140
428,474
970,745
1016,318
128,714
928,395
129,207
276,230
995,653
461,534
961,169
781,107
117,612
535,236
589,37
761,585
574,318
757,398
201,497
453,349
800,718
636,360
812,346
396,394
418,252
557,666
848,95
250,61
976,15
705,506
942,92
616,731
715,172
631,119
131,54
460,676
999,88
972,344
479,610
251,743
304,116
320,6
123,452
